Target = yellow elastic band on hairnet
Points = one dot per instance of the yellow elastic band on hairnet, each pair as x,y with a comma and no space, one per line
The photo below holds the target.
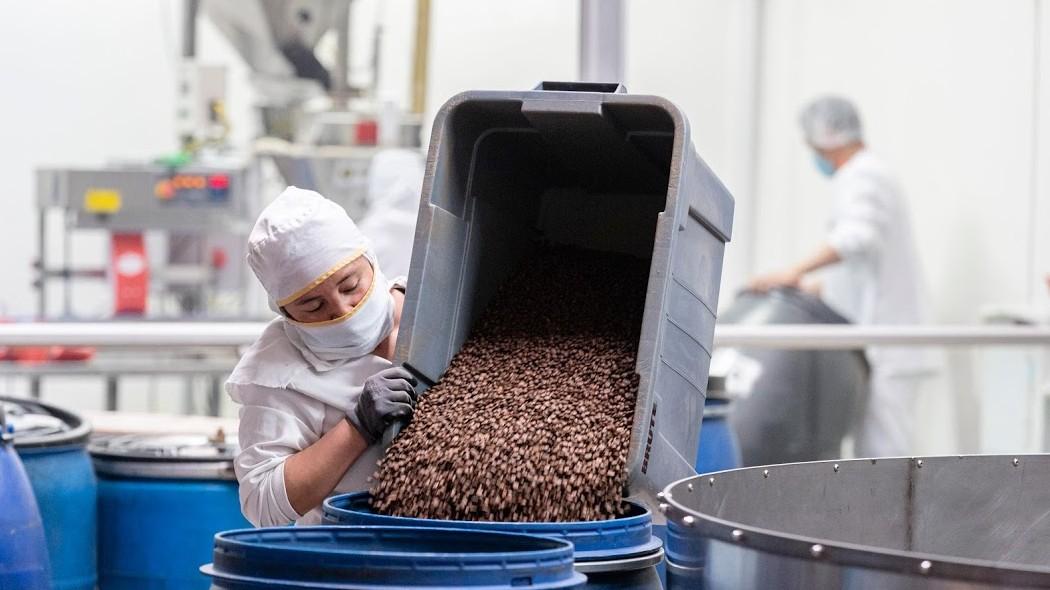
321,279
343,317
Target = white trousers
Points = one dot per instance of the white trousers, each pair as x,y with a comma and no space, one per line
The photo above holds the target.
888,426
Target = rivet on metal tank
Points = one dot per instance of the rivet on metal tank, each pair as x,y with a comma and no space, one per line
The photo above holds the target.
765,473
835,467
688,520
663,507
1016,462
689,486
918,463
816,550
711,481
660,495
737,534
925,566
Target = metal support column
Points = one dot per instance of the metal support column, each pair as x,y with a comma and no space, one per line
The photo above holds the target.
112,382
602,40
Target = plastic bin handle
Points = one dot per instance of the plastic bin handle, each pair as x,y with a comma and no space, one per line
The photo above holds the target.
605,87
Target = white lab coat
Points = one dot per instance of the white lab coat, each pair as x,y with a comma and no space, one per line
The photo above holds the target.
878,281
286,406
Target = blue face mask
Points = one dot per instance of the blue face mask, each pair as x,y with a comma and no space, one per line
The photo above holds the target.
824,165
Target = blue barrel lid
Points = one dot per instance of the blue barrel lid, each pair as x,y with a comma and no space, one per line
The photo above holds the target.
364,558
630,535
33,424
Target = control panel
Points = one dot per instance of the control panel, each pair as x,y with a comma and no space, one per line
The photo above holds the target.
192,198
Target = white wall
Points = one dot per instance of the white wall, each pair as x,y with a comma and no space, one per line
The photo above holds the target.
75,94
702,55
499,45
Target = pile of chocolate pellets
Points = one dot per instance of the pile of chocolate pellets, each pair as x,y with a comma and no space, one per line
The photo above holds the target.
532,420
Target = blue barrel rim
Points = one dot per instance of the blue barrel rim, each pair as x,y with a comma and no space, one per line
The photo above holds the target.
624,537
575,581
298,565
77,435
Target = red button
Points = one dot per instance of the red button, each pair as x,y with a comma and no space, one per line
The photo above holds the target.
219,182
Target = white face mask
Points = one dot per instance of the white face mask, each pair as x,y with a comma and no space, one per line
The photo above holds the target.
329,344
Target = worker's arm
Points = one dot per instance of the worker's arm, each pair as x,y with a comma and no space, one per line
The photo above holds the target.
311,474
792,277
284,450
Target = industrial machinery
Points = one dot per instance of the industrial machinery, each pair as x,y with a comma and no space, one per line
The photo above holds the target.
326,148
790,405
201,212
199,203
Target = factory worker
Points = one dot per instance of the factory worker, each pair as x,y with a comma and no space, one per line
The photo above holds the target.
318,388
871,268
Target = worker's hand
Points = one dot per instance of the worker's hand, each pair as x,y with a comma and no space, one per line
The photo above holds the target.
386,396
812,286
788,278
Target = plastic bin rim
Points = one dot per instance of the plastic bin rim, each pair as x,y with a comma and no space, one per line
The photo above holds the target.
682,143
566,95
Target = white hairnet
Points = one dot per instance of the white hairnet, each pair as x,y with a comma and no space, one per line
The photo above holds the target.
830,122
299,240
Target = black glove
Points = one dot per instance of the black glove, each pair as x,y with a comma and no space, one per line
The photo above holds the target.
386,396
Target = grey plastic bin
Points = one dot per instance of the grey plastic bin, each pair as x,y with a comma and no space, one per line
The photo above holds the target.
585,165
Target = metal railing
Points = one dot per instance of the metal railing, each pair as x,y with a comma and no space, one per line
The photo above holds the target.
788,336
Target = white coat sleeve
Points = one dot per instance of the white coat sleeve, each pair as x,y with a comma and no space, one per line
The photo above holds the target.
274,425
860,223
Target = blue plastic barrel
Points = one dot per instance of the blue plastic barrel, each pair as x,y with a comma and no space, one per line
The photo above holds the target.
717,448
620,553
51,443
375,558
162,499
23,546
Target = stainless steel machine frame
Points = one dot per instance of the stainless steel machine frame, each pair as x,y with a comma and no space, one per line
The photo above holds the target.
961,522
127,199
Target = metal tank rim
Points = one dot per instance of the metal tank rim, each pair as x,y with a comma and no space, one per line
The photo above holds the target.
842,553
